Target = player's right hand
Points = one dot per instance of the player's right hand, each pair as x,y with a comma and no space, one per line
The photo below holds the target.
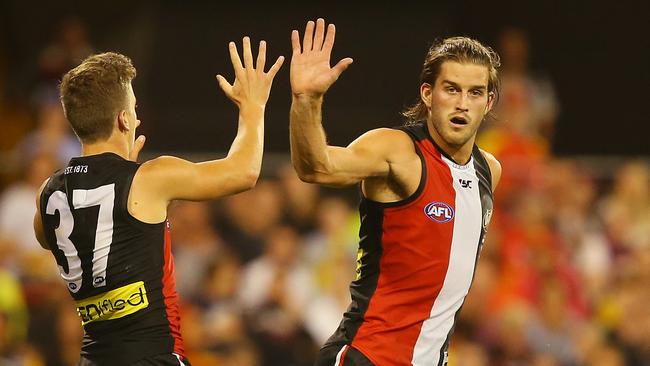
252,85
311,74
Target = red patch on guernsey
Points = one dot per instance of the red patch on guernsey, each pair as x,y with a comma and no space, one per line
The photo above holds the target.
412,269
171,296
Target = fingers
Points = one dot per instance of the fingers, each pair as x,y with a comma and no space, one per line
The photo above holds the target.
309,36
137,146
329,39
342,65
295,42
234,58
320,33
276,66
248,54
261,56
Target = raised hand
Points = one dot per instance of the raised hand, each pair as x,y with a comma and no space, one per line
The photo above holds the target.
252,85
311,73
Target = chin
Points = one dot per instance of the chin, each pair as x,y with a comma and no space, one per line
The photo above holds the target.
456,141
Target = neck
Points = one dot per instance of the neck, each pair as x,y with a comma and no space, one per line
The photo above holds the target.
111,145
460,154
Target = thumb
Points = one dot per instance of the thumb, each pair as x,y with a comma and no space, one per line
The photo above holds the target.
342,65
137,146
224,85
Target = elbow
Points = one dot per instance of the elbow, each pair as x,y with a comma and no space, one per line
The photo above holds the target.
305,174
308,177
249,180
314,176
312,169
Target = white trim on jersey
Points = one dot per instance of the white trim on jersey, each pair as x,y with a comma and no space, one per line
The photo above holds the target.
338,355
462,260
180,361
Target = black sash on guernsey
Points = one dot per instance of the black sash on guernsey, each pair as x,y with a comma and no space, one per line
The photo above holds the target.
113,265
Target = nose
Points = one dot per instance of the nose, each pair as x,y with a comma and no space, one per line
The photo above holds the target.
462,103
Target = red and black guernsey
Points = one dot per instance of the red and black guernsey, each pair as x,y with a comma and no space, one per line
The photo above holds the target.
119,270
417,259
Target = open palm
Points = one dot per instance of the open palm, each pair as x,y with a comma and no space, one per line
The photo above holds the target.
252,84
311,73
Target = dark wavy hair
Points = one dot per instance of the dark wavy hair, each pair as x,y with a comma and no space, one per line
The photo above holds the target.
458,49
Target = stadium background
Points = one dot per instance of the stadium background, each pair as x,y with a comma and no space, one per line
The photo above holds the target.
563,279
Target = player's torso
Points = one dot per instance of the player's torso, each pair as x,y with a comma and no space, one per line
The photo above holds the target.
416,261
118,270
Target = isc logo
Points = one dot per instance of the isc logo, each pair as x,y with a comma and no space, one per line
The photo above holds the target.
439,211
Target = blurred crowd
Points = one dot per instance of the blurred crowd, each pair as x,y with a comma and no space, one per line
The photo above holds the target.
263,276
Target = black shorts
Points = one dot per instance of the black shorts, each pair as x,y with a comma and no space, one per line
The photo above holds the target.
168,359
341,355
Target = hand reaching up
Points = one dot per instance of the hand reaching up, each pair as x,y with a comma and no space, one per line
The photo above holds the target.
252,85
311,73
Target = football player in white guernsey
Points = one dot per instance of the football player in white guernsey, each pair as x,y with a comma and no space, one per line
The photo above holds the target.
419,245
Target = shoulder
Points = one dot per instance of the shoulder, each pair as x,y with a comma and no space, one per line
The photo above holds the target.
161,162
495,167
390,140
386,134
160,165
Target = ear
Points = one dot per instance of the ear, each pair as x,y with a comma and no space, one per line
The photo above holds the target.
123,122
425,94
490,103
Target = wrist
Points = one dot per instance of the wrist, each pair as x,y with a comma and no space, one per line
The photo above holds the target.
251,108
308,97
251,113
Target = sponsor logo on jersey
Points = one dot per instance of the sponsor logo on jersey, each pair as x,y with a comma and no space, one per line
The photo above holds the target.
465,183
113,304
439,212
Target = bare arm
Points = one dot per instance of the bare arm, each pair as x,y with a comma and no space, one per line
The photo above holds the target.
38,222
311,76
495,168
172,178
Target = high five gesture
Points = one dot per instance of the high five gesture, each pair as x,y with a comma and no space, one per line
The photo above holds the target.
251,84
311,73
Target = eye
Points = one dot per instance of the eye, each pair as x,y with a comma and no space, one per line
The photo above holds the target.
476,92
450,89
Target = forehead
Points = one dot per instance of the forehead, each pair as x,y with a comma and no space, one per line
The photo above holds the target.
465,73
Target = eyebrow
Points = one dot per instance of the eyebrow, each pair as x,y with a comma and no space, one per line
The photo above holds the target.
482,87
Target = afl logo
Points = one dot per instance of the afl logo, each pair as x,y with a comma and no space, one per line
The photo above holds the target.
439,212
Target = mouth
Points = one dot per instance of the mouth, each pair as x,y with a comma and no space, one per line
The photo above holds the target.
459,121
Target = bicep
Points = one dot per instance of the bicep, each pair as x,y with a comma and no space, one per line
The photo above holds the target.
495,169
171,178
352,164
367,156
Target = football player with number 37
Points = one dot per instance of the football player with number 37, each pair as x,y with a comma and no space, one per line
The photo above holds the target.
104,216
